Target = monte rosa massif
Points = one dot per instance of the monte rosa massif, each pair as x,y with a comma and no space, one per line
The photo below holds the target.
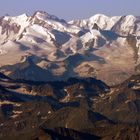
43,47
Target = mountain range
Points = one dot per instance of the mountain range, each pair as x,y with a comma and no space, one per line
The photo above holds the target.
77,109
76,80
43,47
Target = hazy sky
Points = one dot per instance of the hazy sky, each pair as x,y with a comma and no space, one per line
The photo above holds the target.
71,9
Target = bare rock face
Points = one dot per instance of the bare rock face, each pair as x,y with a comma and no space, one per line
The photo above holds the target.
95,26
76,109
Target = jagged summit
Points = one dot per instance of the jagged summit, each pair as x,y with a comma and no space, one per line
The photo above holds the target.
44,15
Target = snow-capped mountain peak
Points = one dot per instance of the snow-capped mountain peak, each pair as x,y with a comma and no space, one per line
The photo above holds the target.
103,21
46,16
127,24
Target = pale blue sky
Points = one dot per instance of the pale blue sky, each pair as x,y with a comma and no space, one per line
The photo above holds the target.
71,9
